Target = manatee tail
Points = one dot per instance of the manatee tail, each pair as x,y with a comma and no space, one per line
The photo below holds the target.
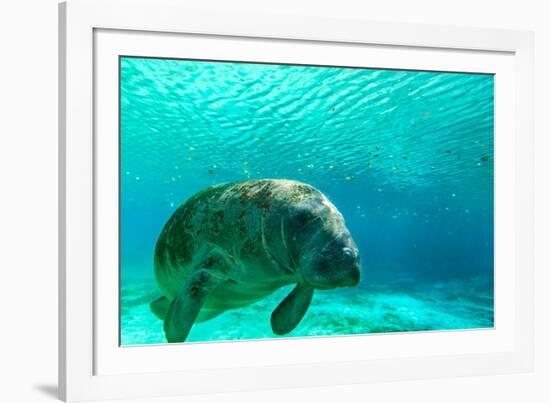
161,306
291,310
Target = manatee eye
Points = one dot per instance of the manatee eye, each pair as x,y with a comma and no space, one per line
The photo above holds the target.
347,252
350,253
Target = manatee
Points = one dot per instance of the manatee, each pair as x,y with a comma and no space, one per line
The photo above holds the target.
231,245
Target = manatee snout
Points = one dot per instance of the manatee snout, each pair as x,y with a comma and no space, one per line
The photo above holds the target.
348,267
338,265
352,266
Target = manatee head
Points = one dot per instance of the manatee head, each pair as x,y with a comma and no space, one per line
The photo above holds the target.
325,254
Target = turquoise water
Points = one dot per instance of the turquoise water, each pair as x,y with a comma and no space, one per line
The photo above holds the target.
406,156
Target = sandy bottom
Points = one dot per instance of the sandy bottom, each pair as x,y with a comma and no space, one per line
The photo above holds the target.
377,309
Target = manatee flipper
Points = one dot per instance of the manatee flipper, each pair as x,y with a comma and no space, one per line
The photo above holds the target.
207,314
160,307
186,305
291,310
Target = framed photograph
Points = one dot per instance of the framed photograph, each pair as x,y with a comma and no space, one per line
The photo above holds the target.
255,201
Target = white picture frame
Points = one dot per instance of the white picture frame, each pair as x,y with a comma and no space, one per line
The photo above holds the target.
91,363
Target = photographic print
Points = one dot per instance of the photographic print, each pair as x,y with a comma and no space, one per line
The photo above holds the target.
265,200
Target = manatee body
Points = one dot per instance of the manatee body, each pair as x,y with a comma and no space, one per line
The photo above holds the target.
231,245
